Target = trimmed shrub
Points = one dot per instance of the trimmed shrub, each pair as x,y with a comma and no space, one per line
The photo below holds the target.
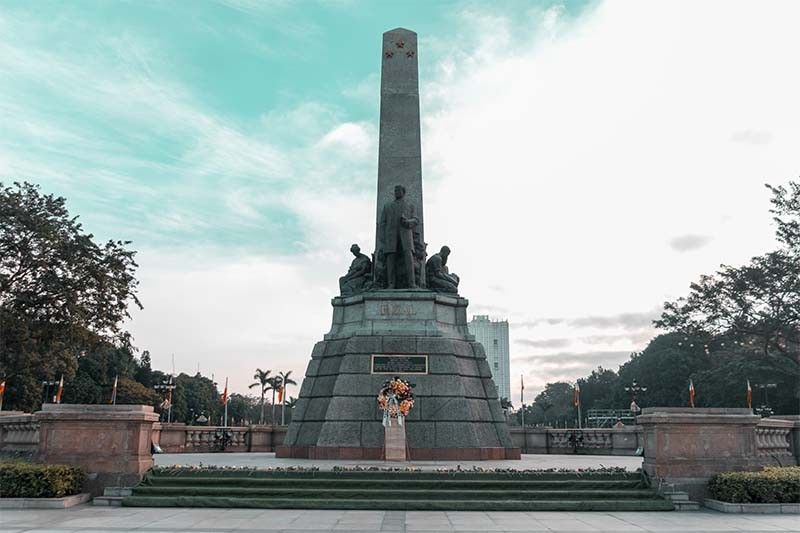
30,480
771,485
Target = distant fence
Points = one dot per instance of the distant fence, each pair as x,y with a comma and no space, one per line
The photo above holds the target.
180,438
593,441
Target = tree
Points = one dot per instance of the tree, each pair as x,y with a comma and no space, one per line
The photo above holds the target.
285,381
757,303
61,294
596,389
664,367
265,383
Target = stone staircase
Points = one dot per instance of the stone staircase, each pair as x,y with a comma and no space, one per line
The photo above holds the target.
112,496
398,490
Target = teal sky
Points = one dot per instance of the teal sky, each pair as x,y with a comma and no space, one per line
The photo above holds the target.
585,161
190,122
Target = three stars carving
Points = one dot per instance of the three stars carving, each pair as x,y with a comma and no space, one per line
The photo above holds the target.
399,44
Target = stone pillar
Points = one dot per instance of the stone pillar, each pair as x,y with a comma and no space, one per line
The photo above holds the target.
399,152
395,442
684,447
110,442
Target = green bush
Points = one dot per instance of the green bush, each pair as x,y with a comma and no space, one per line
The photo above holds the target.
771,485
30,480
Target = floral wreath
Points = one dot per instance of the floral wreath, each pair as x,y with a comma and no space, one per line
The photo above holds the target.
396,398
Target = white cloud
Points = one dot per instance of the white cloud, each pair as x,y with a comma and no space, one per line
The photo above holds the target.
559,158
559,164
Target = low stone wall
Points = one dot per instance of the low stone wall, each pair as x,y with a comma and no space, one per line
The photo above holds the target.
591,441
180,438
685,447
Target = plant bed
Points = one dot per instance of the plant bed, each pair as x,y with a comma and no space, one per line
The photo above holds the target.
45,503
22,480
772,490
758,508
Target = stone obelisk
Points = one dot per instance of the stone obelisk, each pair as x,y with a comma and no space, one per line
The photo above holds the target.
399,151
417,334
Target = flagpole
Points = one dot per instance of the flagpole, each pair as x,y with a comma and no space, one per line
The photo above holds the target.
522,400
225,420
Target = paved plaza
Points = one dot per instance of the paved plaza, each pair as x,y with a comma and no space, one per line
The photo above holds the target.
120,519
152,520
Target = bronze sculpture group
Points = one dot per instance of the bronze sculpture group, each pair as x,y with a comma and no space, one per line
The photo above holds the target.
400,258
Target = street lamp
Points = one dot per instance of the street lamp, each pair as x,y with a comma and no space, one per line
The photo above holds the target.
46,386
167,386
634,388
765,410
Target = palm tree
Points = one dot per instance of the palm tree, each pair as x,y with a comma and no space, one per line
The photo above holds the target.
285,381
265,382
275,384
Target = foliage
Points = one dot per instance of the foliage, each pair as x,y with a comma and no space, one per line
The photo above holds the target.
29,480
265,383
61,294
243,410
771,485
595,387
757,303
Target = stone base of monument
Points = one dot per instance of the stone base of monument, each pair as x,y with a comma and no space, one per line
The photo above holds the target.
110,442
395,442
421,336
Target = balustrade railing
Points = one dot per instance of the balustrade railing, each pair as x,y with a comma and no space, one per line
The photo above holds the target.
773,438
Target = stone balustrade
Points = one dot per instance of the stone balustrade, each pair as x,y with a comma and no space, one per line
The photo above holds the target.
180,438
595,441
19,432
774,438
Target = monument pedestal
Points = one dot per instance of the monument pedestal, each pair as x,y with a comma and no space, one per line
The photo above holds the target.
456,415
110,442
395,442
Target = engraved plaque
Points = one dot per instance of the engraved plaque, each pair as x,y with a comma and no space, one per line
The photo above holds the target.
399,364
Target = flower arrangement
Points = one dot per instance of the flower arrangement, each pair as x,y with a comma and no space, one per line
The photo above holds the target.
395,399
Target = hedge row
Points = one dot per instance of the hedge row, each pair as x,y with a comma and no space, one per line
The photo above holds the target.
771,485
30,480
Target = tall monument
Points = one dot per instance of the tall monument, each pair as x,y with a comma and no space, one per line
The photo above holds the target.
399,147
390,321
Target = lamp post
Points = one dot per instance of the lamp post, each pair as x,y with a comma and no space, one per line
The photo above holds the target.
46,385
634,388
765,410
167,386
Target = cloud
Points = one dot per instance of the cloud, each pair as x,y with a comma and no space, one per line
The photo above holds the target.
628,321
558,159
752,137
544,343
689,242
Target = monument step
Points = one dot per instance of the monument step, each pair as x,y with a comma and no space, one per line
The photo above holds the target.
477,493
608,505
391,483
108,501
180,474
402,490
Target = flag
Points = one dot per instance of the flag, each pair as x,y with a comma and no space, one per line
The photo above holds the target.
576,396
60,389
521,390
691,393
280,394
225,393
749,395
113,400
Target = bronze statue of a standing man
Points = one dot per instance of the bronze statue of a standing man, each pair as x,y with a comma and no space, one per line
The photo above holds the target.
396,236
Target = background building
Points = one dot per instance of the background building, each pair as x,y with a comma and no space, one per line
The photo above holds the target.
493,334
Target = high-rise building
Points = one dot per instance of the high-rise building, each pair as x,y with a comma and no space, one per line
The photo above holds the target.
493,334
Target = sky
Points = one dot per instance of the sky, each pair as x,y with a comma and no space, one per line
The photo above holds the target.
585,161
